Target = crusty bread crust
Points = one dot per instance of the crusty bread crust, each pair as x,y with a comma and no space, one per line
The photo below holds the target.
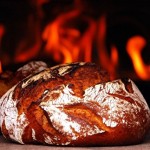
8,78
76,105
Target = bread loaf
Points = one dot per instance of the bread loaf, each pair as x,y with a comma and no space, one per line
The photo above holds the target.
10,78
76,105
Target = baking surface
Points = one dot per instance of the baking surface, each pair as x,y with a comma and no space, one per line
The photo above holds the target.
6,145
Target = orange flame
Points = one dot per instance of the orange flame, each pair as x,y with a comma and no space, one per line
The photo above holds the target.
110,63
114,56
1,67
134,48
67,44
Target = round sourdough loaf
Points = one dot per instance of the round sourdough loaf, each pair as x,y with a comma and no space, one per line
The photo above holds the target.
76,105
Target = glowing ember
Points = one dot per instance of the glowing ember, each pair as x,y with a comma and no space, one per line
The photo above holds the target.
134,48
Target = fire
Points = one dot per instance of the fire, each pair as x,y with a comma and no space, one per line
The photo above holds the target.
64,40
134,48
109,62
0,67
114,56
67,43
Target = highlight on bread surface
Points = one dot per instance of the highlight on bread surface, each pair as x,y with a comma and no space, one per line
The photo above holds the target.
74,104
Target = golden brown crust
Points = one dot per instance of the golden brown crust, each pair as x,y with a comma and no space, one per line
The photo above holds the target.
8,78
75,104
